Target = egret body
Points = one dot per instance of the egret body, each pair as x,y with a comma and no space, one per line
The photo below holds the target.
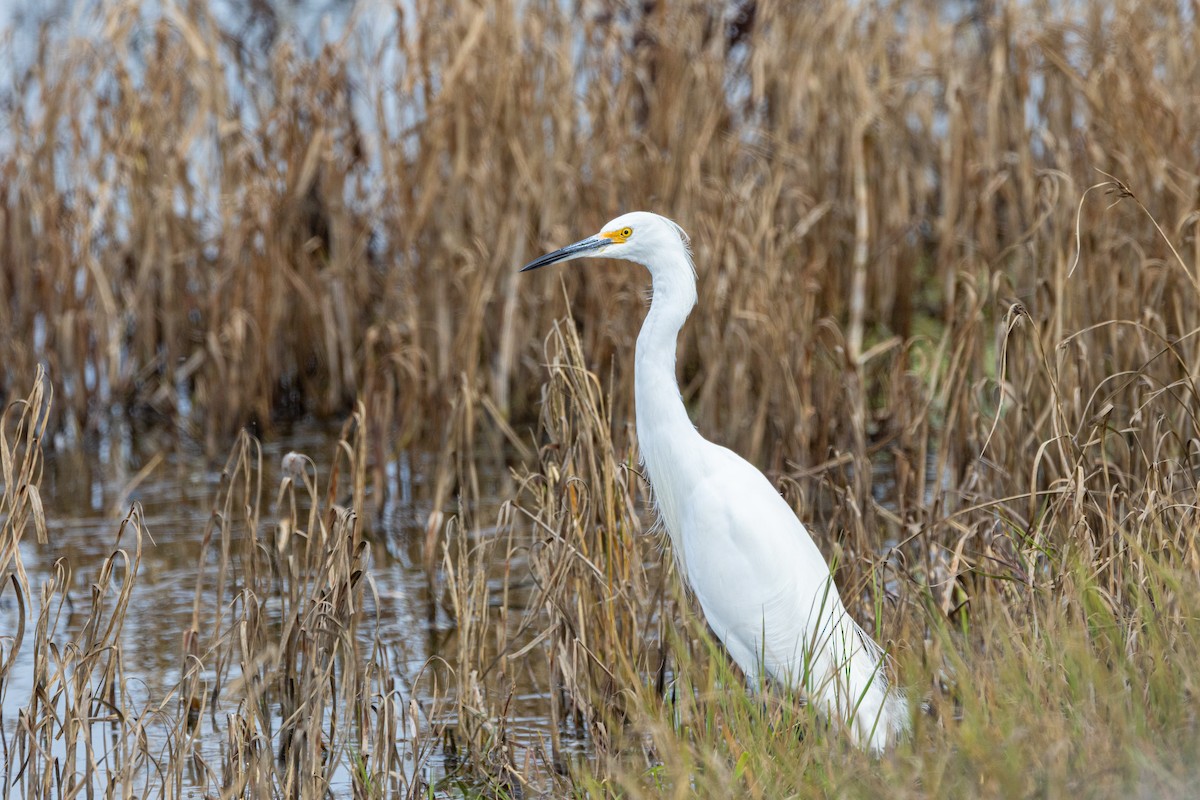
765,589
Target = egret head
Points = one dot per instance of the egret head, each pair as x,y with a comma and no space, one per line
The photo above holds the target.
638,236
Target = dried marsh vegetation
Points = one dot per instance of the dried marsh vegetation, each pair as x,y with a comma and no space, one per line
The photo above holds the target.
215,233
908,257
282,671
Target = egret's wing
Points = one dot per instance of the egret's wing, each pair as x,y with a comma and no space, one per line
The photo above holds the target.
758,575
767,593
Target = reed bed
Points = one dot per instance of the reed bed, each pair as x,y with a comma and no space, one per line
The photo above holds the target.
215,228
949,264
278,671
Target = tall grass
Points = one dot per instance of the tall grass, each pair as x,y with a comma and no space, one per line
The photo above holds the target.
220,234
962,244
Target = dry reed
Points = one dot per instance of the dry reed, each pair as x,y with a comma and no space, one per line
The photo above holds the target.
902,263
284,669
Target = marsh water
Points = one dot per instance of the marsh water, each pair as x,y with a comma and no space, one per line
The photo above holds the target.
88,490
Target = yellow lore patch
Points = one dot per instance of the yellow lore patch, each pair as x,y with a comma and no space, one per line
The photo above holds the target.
618,236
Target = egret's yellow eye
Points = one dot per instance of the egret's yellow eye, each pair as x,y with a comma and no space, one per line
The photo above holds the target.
618,236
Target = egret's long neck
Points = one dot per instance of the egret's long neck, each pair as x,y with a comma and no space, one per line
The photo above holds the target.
658,399
666,436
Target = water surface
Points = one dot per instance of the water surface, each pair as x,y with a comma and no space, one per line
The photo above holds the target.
87,491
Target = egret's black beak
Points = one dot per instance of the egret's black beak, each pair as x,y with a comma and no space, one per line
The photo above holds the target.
577,250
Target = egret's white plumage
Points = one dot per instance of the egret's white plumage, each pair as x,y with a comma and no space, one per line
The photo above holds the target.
765,589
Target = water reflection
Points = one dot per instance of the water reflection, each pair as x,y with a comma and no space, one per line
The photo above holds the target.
88,491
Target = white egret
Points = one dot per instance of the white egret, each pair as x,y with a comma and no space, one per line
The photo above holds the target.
765,589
